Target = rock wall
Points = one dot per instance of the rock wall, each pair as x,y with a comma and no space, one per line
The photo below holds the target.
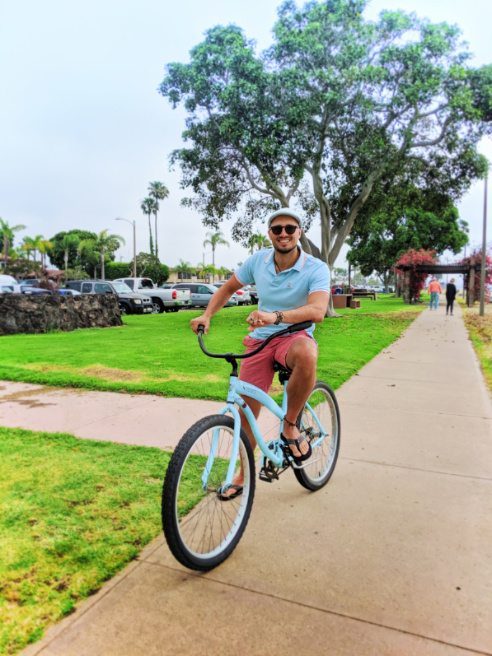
20,313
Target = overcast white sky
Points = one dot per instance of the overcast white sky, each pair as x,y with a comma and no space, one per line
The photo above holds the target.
82,127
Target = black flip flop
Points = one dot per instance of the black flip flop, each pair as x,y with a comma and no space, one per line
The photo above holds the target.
297,442
237,493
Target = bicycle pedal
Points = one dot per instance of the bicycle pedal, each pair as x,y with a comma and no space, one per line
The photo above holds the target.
268,475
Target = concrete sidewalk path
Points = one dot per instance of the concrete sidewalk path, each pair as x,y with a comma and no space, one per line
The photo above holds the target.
392,557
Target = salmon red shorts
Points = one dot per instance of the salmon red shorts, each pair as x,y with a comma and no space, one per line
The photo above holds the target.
258,370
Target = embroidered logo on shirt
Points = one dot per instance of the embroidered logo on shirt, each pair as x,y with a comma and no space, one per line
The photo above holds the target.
289,284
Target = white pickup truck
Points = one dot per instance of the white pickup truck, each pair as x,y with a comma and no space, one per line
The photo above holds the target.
163,300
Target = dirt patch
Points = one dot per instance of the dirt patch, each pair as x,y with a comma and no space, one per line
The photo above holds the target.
29,397
212,378
402,316
108,373
480,327
46,367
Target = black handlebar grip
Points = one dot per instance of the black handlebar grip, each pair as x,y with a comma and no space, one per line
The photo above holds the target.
304,325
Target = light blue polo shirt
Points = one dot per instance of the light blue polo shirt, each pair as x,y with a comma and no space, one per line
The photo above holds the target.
286,290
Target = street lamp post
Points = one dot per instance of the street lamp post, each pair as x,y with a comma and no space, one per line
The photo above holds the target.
134,245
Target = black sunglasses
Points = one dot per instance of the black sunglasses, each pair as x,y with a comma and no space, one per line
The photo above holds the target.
289,229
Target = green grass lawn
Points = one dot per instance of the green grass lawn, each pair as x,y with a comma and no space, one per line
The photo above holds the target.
480,331
159,354
73,513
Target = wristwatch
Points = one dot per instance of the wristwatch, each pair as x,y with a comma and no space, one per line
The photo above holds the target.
280,316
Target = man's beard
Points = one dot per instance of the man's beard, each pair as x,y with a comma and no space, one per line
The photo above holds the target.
284,252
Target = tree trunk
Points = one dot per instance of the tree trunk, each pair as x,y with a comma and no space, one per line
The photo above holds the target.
156,240
151,243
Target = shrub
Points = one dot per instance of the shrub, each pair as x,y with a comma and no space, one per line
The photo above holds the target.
409,261
477,256
115,270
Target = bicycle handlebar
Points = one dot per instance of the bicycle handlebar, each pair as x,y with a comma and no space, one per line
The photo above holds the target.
294,328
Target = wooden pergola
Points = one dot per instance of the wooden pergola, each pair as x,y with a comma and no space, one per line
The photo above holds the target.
469,270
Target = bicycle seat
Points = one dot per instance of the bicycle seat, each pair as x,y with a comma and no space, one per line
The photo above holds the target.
283,372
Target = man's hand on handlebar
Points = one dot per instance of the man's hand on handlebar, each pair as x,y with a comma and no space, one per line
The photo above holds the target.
200,321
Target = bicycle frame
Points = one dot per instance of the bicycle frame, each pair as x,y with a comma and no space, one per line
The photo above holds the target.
236,388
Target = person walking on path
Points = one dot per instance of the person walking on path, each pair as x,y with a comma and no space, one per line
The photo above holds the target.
450,296
434,291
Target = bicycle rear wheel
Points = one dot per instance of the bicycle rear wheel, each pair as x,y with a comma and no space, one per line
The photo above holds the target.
319,422
201,529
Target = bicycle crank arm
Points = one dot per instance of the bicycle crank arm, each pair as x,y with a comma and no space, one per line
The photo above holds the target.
311,462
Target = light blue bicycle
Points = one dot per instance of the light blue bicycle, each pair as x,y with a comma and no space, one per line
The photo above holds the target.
201,522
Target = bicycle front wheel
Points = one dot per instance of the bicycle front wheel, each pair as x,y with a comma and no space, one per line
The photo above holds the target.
319,422
201,527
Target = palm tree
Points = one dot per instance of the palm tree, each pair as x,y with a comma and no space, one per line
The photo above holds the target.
184,267
258,241
8,236
224,271
28,246
87,248
43,247
158,191
95,250
207,271
33,244
68,241
147,207
214,240
105,243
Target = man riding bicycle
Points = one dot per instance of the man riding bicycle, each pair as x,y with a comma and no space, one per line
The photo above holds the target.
292,287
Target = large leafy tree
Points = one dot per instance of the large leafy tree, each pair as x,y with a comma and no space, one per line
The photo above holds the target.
64,252
104,246
405,218
334,110
158,191
150,267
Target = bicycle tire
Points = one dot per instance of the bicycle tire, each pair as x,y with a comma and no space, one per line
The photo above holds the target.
321,465
201,529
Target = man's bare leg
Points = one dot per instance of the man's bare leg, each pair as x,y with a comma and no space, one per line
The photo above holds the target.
301,358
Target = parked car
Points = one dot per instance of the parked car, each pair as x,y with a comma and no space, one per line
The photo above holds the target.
69,292
9,285
29,291
30,282
253,294
242,296
8,281
201,293
129,302
169,300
